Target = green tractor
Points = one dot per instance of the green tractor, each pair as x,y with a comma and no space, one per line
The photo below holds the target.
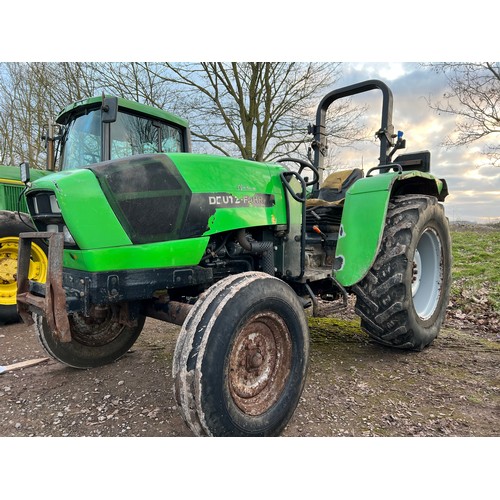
235,252
83,137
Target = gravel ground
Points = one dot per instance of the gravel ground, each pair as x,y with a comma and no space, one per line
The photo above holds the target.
354,388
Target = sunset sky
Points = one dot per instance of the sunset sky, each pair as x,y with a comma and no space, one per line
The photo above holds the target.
474,187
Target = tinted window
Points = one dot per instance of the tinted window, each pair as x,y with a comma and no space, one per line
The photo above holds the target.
132,135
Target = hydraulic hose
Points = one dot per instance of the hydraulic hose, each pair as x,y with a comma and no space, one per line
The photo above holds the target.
264,248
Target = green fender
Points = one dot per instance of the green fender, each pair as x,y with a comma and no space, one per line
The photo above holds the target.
364,214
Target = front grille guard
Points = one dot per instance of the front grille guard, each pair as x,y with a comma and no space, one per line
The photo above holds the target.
53,304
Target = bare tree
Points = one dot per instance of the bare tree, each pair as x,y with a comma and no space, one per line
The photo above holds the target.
21,110
474,97
250,109
30,94
137,81
256,110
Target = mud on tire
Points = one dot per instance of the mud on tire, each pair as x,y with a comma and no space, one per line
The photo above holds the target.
94,342
241,358
402,300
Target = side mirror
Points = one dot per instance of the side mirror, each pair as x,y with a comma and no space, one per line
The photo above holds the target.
25,172
109,109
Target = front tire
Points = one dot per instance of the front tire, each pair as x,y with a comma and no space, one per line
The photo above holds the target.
403,299
96,341
241,358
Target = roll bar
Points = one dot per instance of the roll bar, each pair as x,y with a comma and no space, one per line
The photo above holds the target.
385,134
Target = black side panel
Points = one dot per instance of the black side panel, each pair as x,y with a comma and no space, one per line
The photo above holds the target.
147,194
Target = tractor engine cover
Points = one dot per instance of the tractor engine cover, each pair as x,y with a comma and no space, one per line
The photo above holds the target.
157,197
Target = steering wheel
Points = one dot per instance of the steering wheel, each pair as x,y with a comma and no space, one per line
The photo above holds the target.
286,177
304,164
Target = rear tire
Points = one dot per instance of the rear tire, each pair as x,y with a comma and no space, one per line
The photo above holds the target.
241,358
95,342
402,300
10,227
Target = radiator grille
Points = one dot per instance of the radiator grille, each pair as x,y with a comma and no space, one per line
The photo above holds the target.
11,197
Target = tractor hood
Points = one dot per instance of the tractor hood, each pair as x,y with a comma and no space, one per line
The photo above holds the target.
158,198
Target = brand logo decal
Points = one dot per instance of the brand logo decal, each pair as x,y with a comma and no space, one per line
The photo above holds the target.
224,200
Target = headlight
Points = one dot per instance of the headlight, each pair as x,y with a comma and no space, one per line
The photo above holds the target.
54,206
67,237
36,210
47,216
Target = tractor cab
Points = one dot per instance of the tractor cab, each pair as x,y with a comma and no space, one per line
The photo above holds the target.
106,128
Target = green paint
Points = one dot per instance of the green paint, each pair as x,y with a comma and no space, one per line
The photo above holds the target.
245,180
214,174
11,188
176,253
85,209
363,219
10,173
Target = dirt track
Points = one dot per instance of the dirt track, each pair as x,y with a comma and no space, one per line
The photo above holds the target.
354,388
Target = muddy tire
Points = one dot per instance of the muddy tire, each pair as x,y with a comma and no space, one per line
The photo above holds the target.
95,341
10,227
402,301
241,358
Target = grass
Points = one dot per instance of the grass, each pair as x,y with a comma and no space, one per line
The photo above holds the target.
476,265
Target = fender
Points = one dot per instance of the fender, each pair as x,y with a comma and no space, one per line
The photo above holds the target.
364,214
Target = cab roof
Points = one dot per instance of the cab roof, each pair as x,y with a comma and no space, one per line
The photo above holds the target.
133,106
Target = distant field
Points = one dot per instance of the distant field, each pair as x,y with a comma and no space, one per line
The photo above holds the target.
476,264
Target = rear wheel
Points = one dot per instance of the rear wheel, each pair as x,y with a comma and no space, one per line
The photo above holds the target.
241,358
10,227
402,301
97,340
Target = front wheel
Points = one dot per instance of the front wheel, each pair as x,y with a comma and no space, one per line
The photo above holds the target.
241,358
10,226
103,337
403,299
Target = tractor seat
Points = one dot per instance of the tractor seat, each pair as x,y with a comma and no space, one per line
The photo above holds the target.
332,191
324,211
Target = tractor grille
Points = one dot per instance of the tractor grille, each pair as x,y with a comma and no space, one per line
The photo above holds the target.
11,197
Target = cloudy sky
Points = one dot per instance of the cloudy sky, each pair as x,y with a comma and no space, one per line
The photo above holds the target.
474,187
360,31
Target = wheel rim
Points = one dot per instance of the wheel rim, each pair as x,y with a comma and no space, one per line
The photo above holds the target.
427,274
259,363
9,250
100,328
